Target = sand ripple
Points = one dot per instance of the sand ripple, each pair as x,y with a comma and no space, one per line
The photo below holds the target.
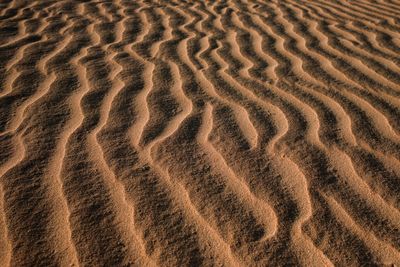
200,133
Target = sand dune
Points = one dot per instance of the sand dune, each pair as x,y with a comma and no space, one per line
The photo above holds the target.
199,133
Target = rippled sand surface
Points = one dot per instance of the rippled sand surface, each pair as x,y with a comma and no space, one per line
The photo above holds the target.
200,133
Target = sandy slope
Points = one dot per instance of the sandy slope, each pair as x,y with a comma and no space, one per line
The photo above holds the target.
199,133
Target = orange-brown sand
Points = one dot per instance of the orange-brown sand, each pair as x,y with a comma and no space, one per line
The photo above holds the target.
199,133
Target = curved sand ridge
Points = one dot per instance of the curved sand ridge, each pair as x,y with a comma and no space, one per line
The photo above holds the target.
191,133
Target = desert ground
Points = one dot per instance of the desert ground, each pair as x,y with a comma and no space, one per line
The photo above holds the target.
200,133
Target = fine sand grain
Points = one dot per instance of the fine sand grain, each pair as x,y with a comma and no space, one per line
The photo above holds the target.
199,133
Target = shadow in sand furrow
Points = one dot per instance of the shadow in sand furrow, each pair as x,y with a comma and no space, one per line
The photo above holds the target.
8,54
232,97
254,51
361,42
384,74
17,11
91,9
195,44
380,10
383,5
317,14
47,241
6,142
219,85
227,56
192,94
334,41
99,199
188,89
339,244
206,183
368,9
367,124
9,30
266,178
366,41
317,159
388,40
382,251
342,11
329,79
166,225
161,102
300,124
379,173
386,105
343,182
122,104
162,105
336,130
153,38
149,187
245,124
5,5
311,60
5,247
384,102
383,37
281,47
25,79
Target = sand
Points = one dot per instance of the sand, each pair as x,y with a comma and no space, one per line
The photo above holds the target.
200,133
